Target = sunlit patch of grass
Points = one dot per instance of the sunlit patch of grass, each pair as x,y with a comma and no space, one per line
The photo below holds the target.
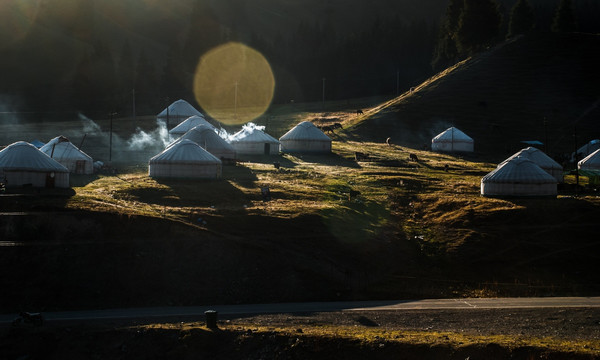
377,336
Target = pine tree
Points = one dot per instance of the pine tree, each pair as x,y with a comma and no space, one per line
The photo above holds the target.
564,19
445,52
478,26
521,18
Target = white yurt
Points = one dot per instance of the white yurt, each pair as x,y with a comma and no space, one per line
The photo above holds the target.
518,176
586,150
208,139
451,140
22,164
542,160
63,151
252,141
185,159
177,112
590,162
187,125
305,138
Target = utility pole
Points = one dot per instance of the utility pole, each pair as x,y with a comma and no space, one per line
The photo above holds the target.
576,161
110,138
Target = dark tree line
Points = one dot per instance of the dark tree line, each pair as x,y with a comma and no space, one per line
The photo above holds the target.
383,57
470,26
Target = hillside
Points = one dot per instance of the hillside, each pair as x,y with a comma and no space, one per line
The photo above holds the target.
502,97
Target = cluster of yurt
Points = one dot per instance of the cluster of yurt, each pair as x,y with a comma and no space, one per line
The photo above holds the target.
67,154
452,140
22,164
305,138
528,173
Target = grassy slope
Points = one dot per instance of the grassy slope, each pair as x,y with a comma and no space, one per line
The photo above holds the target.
502,97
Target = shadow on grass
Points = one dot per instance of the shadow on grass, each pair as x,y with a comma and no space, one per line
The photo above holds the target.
190,193
332,159
34,199
269,160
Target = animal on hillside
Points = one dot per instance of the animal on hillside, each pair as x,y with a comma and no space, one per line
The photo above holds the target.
359,112
387,141
337,125
358,156
326,129
413,157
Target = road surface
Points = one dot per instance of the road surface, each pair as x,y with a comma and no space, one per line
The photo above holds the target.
197,312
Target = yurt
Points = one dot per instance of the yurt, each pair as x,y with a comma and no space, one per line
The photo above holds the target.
590,162
188,124
252,141
208,139
177,112
22,164
586,150
305,138
63,151
518,177
452,140
185,159
542,160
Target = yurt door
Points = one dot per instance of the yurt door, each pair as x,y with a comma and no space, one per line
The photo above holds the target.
50,180
267,148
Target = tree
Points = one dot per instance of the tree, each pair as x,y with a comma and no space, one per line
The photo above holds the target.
521,18
445,52
478,26
564,19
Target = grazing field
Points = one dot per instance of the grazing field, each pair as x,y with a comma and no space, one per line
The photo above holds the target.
335,228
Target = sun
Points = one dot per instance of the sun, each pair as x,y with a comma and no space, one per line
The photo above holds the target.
234,83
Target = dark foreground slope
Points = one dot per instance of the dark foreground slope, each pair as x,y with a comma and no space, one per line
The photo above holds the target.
504,96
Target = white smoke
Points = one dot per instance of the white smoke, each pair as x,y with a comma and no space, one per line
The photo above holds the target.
89,126
247,129
158,137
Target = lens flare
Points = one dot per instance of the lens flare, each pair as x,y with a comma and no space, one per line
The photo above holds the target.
234,83
16,19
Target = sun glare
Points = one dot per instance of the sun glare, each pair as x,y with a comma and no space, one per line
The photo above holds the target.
234,83
16,18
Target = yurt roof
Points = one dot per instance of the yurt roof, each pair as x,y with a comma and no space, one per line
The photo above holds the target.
538,157
305,131
24,156
592,145
61,148
255,136
591,161
179,108
185,151
519,170
206,137
190,123
452,134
